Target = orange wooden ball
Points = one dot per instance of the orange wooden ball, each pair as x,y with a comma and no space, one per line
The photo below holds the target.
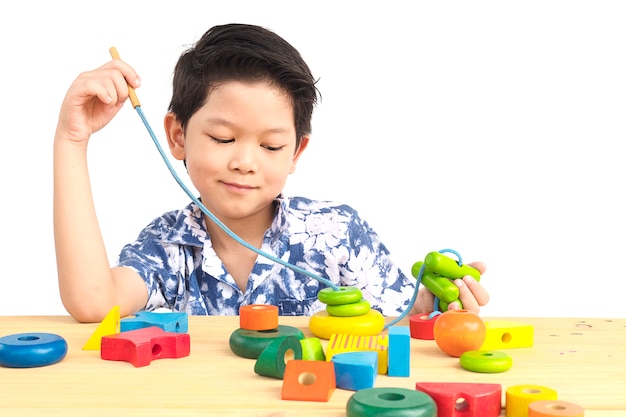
459,331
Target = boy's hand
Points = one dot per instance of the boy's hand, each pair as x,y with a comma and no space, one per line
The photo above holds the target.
471,294
93,99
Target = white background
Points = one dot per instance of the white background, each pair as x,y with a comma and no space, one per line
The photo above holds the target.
494,128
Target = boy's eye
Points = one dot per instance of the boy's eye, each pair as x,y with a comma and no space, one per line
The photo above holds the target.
273,148
218,140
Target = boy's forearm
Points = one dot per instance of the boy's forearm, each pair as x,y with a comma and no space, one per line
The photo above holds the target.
84,273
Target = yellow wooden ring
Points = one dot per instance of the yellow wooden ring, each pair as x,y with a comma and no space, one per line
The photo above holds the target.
344,295
349,310
323,325
519,397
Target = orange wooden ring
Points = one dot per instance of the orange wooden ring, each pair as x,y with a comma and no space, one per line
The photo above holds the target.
258,317
554,408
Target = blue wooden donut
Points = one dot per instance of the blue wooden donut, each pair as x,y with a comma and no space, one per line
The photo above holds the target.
30,350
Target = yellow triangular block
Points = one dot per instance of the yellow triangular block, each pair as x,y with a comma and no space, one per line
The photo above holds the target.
109,325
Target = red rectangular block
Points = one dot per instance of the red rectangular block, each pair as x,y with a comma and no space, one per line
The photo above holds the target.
142,346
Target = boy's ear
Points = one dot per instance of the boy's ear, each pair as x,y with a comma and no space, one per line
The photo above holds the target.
304,141
175,136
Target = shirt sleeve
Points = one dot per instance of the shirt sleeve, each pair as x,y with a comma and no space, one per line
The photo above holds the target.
158,264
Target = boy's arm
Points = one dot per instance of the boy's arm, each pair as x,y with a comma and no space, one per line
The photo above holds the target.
88,286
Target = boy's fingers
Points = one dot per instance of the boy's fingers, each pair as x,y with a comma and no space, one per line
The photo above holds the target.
481,266
478,291
471,293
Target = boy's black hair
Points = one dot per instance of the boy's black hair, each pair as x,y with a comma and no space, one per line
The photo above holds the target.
246,53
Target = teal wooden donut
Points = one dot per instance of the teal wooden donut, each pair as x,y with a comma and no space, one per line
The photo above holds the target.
486,361
344,295
390,402
30,350
349,310
250,343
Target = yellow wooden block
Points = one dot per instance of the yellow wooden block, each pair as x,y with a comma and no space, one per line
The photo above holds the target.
341,342
503,334
109,325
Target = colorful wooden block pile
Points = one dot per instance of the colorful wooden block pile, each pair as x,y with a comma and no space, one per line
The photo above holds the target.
141,339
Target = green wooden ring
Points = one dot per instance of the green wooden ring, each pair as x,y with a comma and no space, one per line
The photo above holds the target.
390,402
349,310
273,360
344,295
486,361
312,349
250,343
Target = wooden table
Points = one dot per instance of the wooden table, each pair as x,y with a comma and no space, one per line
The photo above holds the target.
584,360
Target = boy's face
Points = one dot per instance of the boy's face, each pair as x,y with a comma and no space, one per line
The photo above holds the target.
239,148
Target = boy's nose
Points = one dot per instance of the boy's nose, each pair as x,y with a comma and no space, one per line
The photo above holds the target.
244,159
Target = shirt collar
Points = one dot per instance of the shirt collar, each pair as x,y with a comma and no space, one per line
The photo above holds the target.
189,227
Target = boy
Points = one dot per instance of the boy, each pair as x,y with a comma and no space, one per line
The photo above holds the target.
239,119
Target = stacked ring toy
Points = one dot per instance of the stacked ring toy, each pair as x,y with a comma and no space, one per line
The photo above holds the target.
346,312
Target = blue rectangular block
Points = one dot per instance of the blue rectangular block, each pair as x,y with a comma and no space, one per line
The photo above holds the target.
399,356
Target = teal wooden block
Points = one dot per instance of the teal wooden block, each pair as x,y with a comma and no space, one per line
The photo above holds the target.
399,353
174,322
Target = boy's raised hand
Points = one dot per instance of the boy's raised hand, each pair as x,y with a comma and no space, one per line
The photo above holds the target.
471,293
93,99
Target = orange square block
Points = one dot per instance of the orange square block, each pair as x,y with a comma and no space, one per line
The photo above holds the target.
306,380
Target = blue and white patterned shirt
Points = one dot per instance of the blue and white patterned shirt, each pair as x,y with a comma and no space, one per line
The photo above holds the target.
182,272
